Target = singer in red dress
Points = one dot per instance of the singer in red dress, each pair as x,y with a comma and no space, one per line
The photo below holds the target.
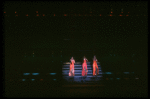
71,71
84,67
95,67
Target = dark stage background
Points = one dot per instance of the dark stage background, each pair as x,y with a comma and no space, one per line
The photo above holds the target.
56,31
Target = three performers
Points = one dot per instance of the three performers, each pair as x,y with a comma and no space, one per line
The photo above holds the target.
84,67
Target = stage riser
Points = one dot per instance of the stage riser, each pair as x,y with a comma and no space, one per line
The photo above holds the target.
78,73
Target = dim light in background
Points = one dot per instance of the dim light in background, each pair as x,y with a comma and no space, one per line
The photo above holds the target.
52,73
118,78
35,73
136,78
65,14
108,73
126,72
26,73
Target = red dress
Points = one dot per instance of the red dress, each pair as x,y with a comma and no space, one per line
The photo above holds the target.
71,71
95,68
84,68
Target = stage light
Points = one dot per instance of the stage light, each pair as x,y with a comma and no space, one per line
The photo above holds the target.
32,79
35,73
23,79
26,73
52,73
108,73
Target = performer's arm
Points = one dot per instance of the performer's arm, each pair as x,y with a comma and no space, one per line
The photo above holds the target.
82,66
73,67
70,66
86,69
96,66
